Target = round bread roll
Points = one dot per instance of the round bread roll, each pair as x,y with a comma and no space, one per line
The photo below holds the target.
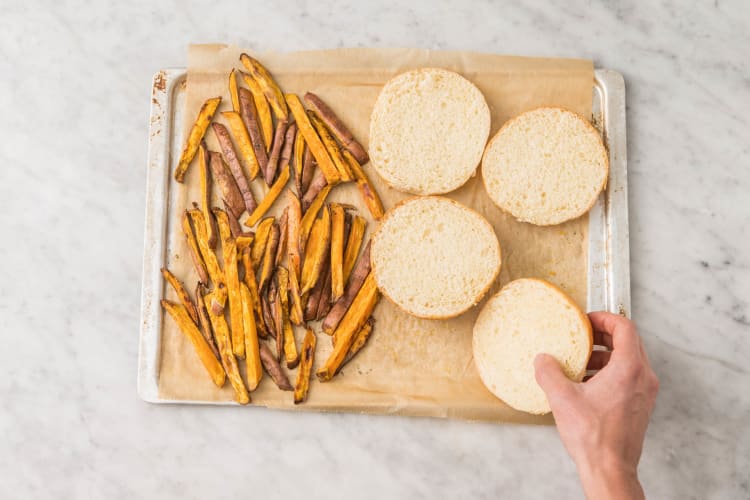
545,166
428,130
433,257
525,318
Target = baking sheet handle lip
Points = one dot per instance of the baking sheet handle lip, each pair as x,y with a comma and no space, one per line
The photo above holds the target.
157,183
618,237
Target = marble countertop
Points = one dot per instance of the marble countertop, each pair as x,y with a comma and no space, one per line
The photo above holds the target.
74,91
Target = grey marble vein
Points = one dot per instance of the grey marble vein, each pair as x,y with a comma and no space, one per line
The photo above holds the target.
74,95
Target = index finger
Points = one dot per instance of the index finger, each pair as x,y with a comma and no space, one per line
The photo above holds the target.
622,330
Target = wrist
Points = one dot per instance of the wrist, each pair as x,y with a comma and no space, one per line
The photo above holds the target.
610,480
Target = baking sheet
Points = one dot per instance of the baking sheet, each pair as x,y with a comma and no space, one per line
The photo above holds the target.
411,366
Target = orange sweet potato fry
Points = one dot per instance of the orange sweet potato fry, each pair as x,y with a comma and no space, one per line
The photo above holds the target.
262,111
353,244
253,367
270,198
195,250
337,251
198,130
228,361
244,143
205,185
330,144
310,215
261,238
312,139
290,346
361,309
249,115
183,295
337,127
209,257
305,368
269,86
204,321
231,274
190,329
294,218
317,248
368,193
359,274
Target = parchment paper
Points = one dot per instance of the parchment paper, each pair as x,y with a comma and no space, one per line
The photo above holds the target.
410,366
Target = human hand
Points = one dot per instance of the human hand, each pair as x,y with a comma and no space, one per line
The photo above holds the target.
602,422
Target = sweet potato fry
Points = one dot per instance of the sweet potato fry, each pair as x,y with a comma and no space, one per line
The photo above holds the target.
359,274
353,244
198,130
243,241
286,151
242,139
312,140
201,239
253,368
337,251
360,339
205,184
337,127
227,148
205,322
290,346
249,115
233,93
261,238
296,315
354,319
219,299
267,315
324,302
305,367
298,161
252,286
231,274
221,332
262,110
283,233
230,192
330,144
270,198
311,214
234,224
313,296
269,258
195,252
308,170
294,219
269,86
316,185
274,301
366,190
273,157
190,329
318,245
272,366
183,295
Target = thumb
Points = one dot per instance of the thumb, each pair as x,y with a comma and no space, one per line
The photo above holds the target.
549,375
